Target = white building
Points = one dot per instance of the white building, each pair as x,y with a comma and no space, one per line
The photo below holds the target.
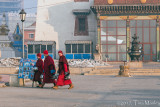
70,23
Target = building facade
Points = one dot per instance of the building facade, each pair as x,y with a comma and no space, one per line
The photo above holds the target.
34,47
70,23
6,50
119,20
29,36
29,33
105,27
14,18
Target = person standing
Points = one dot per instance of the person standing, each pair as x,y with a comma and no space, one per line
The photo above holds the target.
63,72
39,65
49,69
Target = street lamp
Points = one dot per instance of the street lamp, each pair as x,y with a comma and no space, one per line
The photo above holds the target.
23,16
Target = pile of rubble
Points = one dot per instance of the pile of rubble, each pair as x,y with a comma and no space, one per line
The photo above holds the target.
10,62
86,63
14,62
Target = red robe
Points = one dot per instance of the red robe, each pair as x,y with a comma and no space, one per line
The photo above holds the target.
48,66
63,67
40,66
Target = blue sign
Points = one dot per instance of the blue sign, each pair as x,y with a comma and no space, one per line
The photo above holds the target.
26,69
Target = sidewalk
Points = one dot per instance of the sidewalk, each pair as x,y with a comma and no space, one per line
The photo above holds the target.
89,91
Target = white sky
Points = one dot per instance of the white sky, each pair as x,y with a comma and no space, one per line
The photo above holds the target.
30,4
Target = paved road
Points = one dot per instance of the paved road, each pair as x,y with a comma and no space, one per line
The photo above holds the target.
89,91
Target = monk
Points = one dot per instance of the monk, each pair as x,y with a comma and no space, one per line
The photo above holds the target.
49,70
63,72
39,65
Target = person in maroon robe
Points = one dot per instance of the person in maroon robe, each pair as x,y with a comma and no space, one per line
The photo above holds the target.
39,65
63,72
49,69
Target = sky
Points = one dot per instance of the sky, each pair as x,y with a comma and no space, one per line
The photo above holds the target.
30,4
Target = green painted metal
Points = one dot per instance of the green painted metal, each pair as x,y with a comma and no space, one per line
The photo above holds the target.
128,41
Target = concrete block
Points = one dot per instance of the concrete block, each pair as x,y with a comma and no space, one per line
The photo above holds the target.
14,82
21,82
135,64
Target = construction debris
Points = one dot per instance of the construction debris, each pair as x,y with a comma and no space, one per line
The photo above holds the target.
14,62
86,63
10,62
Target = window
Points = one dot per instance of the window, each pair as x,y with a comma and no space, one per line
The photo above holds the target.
68,48
37,48
113,40
146,31
81,26
87,48
43,48
74,48
30,48
80,48
49,48
31,36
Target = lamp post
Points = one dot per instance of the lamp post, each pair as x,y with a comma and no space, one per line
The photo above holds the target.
23,16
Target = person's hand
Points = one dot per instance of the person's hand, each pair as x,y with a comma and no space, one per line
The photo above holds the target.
41,76
67,77
54,76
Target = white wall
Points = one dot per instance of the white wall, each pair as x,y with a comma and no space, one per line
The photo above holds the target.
56,22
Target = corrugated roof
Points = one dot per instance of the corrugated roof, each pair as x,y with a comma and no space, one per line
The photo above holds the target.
41,42
81,11
77,42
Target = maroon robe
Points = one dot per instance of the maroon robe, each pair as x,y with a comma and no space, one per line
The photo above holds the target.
37,74
63,67
48,66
